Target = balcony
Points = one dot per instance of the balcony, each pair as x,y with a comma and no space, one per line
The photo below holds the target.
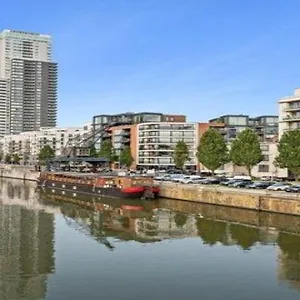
292,118
293,107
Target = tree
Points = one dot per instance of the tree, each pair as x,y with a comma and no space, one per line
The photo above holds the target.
46,153
289,152
212,151
106,150
245,150
16,158
1,155
93,151
180,154
7,158
126,158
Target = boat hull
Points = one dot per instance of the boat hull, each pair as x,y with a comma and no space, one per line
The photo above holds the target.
115,192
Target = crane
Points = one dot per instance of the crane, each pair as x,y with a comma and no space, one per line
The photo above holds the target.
81,144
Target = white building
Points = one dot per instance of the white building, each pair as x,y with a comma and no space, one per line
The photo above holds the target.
28,82
289,113
156,143
28,144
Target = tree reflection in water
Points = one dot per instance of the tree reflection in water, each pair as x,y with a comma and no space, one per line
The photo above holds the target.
245,236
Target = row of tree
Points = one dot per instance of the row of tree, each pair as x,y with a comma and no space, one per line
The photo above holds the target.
213,151
10,158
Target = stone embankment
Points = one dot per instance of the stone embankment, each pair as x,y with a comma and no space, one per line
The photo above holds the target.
259,200
18,172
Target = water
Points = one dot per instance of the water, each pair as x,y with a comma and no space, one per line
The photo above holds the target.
53,249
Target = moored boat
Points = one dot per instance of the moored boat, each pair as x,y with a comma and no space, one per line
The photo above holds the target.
106,186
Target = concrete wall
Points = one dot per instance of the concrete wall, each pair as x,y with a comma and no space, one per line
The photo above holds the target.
18,173
255,200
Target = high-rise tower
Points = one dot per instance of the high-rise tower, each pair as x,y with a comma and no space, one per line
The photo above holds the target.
29,80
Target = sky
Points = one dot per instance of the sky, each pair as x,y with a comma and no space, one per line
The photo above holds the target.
201,58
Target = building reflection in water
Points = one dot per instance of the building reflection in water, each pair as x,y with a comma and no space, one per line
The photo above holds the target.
27,231
111,220
26,243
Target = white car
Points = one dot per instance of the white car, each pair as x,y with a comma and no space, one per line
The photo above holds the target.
278,186
192,179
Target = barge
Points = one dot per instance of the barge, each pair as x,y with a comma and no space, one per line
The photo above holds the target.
105,186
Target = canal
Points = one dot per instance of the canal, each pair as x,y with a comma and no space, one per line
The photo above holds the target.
54,249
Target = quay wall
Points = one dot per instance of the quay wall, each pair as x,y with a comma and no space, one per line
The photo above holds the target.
17,172
259,200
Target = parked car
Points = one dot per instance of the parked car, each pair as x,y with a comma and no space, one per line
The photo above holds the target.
293,189
260,185
228,182
280,186
241,183
192,179
211,181
233,182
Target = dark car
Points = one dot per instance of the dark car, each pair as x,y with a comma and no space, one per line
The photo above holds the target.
228,181
293,189
260,185
211,181
241,183
233,182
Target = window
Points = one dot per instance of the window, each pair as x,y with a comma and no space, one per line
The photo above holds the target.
263,168
265,158
264,147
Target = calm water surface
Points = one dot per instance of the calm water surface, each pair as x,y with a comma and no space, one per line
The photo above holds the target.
53,249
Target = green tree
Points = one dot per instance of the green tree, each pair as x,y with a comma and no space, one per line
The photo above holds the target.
245,150
16,158
46,153
93,151
114,156
106,150
126,158
289,152
180,154
1,155
212,151
7,158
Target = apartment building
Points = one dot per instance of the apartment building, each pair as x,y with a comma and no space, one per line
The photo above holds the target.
266,168
29,144
289,112
4,109
31,82
130,118
265,126
156,142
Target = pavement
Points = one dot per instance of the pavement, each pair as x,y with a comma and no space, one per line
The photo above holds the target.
219,188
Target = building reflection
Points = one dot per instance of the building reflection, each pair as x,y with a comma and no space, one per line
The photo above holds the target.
110,220
27,244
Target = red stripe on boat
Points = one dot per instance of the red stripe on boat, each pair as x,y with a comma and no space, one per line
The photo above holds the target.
134,189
